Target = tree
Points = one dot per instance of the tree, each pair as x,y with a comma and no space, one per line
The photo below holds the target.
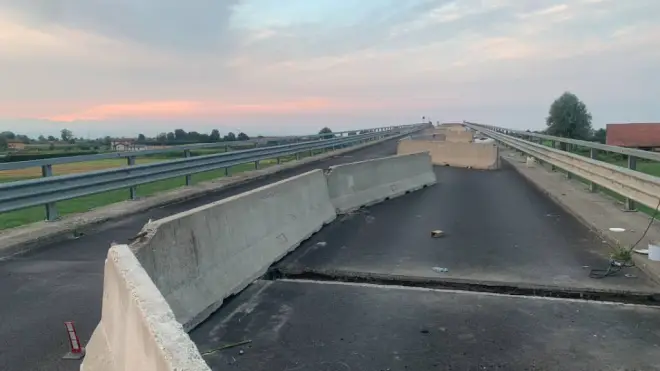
162,138
41,138
599,136
66,135
215,135
352,133
569,118
170,136
242,136
8,135
52,138
326,130
141,138
180,134
230,137
3,143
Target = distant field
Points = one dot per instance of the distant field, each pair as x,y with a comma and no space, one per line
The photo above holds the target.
82,204
643,166
73,168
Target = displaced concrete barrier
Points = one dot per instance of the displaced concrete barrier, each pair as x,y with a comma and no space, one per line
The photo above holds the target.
138,330
200,257
459,136
468,155
453,126
367,182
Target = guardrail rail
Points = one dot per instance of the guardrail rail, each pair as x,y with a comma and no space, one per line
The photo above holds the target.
635,186
49,189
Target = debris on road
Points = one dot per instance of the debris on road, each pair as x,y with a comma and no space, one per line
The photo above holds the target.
321,244
437,233
616,229
440,269
228,346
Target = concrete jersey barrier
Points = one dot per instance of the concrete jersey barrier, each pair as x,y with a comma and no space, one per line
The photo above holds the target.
138,331
469,155
367,182
459,136
200,257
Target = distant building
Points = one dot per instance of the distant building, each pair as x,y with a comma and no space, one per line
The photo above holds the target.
15,146
126,144
634,135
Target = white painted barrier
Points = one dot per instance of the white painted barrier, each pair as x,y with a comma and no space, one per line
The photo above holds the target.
200,257
367,182
138,331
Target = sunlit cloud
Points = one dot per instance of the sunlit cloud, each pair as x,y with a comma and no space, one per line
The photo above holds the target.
197,109
288,64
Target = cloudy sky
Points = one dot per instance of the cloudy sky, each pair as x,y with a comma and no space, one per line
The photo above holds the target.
122,67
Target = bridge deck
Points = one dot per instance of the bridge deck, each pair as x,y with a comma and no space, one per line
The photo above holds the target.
498,229
502,235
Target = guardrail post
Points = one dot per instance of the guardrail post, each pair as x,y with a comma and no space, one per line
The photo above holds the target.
632,165
51,210
297,156
132,191
567,148
593,187
554,145
186,154
256,165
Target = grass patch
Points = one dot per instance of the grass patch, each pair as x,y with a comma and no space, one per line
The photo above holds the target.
87,203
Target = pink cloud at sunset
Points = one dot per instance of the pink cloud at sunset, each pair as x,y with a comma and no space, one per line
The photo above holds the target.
206,109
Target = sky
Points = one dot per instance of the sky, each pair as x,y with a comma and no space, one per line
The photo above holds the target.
123,67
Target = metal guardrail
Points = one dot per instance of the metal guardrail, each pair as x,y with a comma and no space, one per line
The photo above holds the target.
185,149
50,189
637,153
634,185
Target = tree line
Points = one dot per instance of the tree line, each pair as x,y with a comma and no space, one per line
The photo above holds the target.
178,136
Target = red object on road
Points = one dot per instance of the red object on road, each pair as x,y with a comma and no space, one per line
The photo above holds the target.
77,350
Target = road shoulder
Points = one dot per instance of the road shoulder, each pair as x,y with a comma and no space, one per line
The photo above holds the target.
596,210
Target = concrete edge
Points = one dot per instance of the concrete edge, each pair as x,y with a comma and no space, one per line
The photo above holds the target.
33,236
341,212
507,288
612,242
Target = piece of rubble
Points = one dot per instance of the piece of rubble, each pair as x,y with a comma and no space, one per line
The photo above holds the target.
437,233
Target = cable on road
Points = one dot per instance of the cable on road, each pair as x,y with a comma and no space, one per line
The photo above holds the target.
615,266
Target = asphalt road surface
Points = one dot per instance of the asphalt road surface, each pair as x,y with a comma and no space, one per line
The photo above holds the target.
310,326
501,234
63,282
498,229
